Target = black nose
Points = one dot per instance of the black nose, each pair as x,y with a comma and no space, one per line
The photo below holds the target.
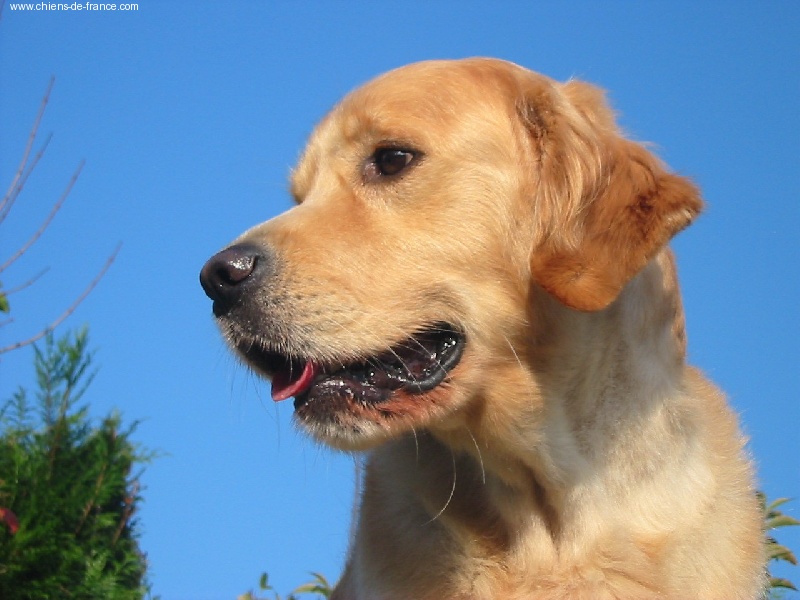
227,275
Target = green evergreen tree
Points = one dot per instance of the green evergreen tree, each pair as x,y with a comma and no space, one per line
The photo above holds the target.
69,489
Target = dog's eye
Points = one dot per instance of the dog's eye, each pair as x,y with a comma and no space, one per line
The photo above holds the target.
390,161
387,162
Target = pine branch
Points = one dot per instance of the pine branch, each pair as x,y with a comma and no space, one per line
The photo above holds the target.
93,500
127,512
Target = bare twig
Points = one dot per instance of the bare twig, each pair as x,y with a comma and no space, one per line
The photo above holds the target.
19,288
24,170
46,223
27,284
19,178
71,309
12,194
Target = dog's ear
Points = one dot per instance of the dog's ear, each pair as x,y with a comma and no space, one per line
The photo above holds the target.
610,203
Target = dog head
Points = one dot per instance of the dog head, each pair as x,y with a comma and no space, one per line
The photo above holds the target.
432,203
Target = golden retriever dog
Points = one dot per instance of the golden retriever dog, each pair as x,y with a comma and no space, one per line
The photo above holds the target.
475,289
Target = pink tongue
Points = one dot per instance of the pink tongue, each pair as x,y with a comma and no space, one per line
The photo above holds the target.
286,384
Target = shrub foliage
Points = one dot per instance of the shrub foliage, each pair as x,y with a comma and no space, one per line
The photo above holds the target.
69,489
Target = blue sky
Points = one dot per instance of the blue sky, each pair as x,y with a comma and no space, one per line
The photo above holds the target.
189,116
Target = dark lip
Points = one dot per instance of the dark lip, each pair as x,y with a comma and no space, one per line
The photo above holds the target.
416,365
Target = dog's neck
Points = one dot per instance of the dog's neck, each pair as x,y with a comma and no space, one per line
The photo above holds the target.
599,387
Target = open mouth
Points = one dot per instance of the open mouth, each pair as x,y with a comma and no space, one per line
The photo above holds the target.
416,365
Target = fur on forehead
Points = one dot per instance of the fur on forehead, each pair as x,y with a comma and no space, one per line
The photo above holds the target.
603,205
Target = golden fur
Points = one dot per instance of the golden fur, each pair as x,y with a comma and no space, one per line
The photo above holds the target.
571,453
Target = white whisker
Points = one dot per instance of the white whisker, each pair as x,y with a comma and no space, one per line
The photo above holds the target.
513,350
416,442
480,455
450,497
